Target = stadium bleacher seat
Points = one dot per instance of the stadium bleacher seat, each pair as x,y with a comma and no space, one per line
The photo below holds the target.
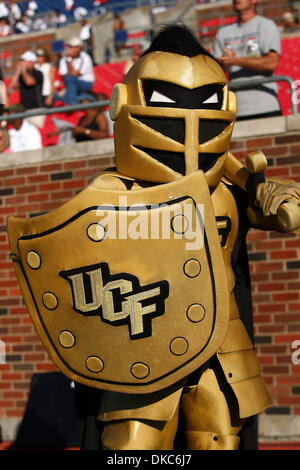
288,65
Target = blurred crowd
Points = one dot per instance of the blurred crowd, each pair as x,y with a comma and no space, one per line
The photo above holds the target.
45,78
43,81
248,47
15,20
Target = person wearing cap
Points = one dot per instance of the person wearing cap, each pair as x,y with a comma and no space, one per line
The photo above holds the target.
22,135
76,68
29,81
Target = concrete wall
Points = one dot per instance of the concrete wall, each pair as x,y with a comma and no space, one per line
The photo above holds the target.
39,181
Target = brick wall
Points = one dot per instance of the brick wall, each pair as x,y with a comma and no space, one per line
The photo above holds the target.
275,274
30,189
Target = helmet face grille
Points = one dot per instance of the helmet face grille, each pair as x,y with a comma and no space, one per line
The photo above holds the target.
207,160
173,128
174,160
208,129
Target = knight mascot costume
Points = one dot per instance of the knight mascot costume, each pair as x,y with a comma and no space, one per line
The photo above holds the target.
139,286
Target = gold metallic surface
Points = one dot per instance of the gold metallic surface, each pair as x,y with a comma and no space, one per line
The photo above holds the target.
235,172
139,370
181,70
33,260
195,312
50,300
179,224
66,339
256,162
134,332
208,420
130,132
192,268
288,216
96,232
94,364
139,435
211,441
281,198
179,346
225,205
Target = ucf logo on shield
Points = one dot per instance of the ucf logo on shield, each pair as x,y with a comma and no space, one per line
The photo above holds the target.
117,299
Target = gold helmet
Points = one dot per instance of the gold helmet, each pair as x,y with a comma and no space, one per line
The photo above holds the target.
174,113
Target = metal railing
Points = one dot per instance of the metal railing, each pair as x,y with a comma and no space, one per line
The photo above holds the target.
55,110
254,82
237,85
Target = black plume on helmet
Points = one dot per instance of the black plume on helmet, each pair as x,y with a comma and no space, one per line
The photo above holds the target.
178,39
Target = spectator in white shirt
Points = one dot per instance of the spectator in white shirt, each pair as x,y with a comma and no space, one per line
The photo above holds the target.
15,11
45,66
23,25
77,70
4,11
5,29
79,13
86,36
31,9
58,19
23,135
69,5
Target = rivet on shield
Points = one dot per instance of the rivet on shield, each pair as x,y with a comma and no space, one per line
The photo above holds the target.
66,339
50,300
195,313
33,259
96,232
179,346
179,224
94,364
140,370
192,268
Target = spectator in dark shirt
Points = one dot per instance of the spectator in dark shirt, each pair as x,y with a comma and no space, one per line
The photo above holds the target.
29,81
94,124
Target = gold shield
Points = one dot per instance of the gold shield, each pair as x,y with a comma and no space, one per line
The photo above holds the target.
127,289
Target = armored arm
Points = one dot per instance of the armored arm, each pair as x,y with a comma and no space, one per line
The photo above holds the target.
274,204
281,199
